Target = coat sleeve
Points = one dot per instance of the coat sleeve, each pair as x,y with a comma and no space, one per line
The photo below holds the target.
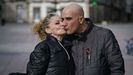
114,56
39,60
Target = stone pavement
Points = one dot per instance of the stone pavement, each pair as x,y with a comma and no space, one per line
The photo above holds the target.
17,41
13,62
17,38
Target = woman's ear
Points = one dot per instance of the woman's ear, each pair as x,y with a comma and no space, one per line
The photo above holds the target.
81,19
48,30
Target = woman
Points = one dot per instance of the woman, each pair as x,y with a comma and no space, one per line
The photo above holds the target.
51,56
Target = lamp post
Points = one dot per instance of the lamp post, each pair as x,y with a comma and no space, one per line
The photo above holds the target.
94,6
2,18
94,3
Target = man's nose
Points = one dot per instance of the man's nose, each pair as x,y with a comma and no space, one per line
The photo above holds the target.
64,24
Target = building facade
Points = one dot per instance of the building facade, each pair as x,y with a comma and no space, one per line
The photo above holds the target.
15,11
38,9
31,11
109,10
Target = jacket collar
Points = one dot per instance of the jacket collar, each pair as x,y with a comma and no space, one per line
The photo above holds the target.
53,42
83,35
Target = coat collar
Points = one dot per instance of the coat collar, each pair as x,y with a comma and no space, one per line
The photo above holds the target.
83,36
53,42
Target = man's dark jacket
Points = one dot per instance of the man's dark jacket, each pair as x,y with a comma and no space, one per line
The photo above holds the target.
96,52
49,58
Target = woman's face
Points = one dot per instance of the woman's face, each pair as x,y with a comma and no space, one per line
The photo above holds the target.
56,26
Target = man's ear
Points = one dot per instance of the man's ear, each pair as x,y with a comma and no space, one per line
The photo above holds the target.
81,19
48,31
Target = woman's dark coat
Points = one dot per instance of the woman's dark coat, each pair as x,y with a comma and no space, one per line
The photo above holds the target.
49,58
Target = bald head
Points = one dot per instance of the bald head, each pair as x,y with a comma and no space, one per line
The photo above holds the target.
74,8
73,18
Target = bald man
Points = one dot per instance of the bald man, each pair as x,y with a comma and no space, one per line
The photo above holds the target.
95,49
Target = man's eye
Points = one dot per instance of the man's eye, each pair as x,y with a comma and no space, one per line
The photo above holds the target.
68,18
57,23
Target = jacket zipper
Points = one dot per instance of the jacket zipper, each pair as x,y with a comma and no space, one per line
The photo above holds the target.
88,53
65,50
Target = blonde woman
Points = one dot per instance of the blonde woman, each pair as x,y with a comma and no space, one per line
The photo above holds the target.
51,56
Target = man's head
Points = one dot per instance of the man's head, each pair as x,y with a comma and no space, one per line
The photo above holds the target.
73,18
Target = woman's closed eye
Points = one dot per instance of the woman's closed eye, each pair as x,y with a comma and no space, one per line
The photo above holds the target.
57,22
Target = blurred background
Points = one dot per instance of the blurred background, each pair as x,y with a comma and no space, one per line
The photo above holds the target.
17,17
29,11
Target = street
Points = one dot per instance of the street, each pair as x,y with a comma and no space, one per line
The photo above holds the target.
17,41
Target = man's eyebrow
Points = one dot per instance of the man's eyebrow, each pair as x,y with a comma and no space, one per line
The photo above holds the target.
68,18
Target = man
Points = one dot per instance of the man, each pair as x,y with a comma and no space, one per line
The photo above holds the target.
95,49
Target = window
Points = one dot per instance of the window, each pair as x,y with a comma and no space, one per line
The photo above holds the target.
20,13
63,0
51,10
35,0
36,14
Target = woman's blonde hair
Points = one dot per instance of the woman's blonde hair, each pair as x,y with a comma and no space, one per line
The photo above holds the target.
39,28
